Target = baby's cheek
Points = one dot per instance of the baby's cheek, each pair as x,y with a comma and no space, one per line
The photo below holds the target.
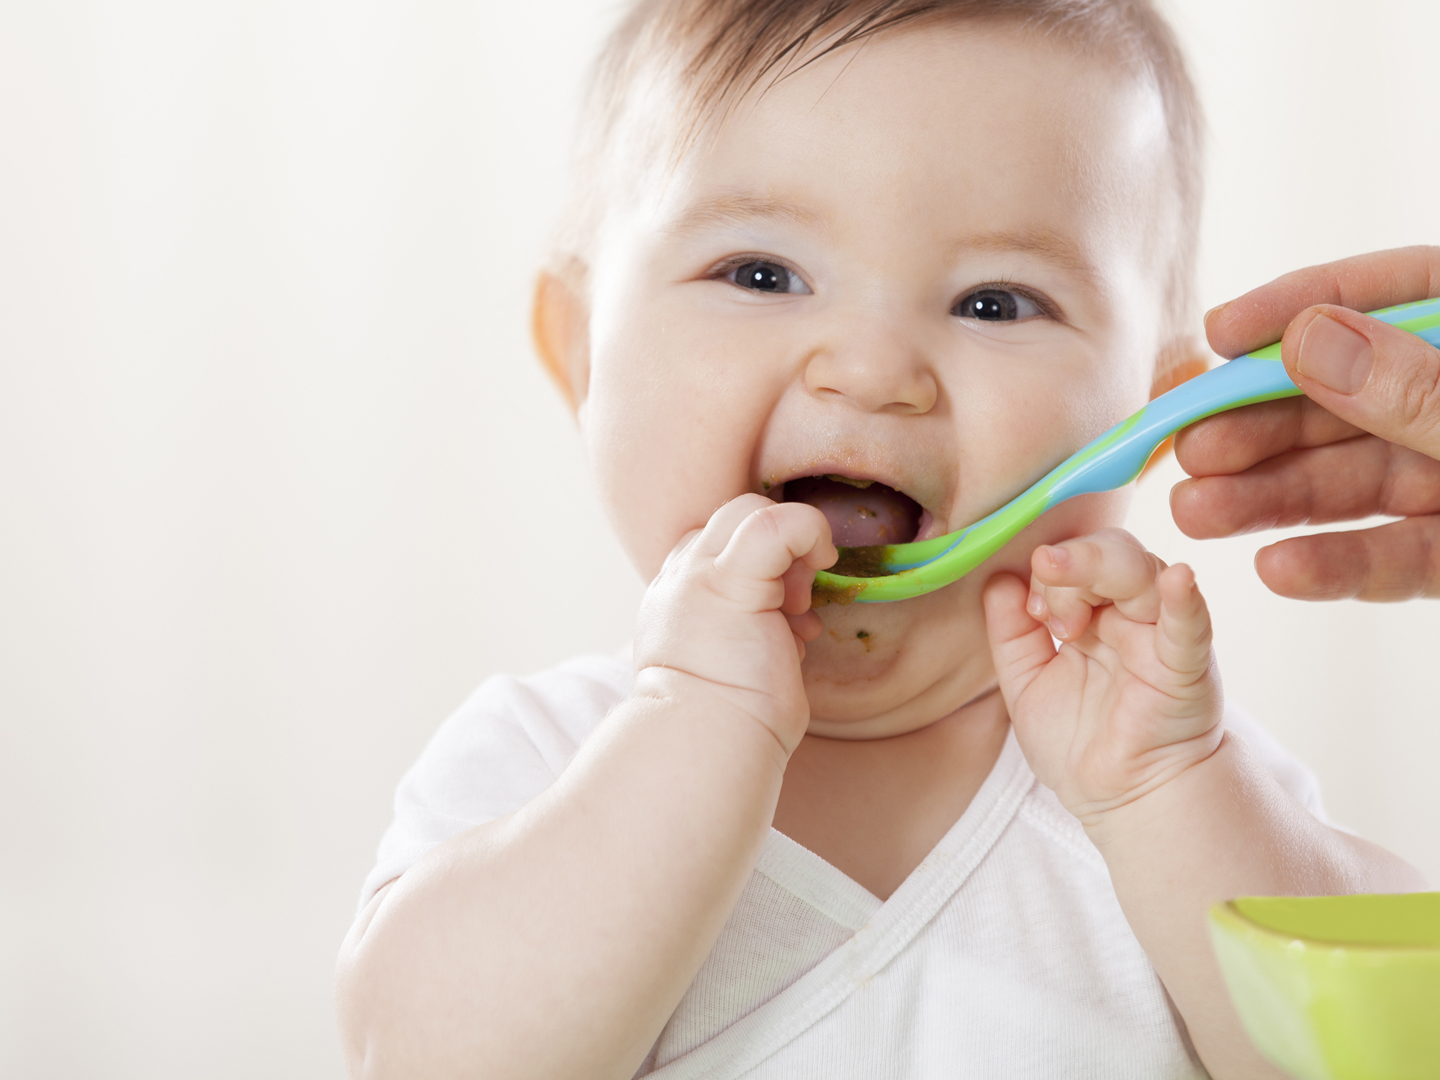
670,440
651,478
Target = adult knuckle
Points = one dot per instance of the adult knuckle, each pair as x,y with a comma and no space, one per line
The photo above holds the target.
1430,547
1418,387
1431,254
1395,463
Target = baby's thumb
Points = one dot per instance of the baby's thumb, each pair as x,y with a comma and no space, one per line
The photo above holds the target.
1019,645
1375,376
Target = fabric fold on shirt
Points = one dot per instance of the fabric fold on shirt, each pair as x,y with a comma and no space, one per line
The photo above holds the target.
891,926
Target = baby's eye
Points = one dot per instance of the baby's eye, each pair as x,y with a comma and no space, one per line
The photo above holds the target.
767,277
996,305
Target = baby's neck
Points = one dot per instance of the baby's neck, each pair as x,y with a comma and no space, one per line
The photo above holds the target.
874,808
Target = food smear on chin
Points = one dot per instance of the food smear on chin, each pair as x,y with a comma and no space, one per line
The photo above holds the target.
859,516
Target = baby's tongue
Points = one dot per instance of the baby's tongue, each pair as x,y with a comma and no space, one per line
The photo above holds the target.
859,516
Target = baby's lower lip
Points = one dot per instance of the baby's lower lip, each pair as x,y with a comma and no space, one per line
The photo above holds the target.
859,517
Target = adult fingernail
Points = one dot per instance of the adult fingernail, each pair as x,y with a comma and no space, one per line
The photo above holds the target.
1057,629
1334,355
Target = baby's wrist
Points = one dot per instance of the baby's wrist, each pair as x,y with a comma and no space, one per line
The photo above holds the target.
1178,788
730,712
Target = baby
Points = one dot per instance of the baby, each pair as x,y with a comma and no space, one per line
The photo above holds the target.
846,272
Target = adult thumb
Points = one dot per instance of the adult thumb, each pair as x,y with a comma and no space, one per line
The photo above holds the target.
1369,373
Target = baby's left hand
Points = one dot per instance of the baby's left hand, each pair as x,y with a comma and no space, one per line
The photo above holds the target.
1131,698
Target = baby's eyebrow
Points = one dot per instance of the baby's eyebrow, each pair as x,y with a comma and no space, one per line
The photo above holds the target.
1053,247
737,209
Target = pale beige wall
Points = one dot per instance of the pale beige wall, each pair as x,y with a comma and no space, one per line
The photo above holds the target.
279,482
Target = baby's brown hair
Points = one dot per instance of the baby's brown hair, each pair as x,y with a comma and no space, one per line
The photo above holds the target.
672,67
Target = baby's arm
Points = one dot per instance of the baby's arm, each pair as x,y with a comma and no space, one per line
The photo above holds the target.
1123,722
557,941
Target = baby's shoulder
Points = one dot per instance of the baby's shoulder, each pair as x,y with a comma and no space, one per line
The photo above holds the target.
542,717
507,743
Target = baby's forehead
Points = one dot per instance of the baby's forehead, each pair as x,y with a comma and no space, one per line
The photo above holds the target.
676,72
976,122
670,107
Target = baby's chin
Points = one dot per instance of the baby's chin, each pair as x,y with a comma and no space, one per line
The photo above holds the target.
878,670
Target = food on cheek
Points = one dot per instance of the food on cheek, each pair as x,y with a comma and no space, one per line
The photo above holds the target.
859,516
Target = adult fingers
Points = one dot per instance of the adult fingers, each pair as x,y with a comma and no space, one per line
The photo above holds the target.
1019,646
1233,441
1342,481
1398,561
1361,283
1368,373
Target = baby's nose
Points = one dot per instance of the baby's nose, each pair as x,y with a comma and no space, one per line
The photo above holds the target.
875,368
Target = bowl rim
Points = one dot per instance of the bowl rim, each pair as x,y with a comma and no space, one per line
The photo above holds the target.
1225,915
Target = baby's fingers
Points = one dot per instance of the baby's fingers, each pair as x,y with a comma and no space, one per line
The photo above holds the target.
1183,640
720,529
1019,648
1072,578
798,582
766,547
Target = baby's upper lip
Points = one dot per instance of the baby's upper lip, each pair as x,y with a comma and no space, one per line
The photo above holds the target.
841,472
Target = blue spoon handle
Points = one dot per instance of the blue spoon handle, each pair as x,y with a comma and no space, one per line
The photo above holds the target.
1108,462
1246,380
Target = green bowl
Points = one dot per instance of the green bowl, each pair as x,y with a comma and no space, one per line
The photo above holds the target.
1336,987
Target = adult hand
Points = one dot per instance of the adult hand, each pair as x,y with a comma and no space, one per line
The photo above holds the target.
1364,440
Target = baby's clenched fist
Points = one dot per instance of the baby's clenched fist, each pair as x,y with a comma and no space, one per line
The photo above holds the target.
729,613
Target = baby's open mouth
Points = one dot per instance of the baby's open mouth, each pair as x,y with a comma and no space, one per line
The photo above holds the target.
861,512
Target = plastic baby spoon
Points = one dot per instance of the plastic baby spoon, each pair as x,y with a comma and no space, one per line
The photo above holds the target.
900,571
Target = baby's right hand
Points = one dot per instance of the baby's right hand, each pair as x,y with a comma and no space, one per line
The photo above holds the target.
729,613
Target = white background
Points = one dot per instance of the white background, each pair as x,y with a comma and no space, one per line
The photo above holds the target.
280,481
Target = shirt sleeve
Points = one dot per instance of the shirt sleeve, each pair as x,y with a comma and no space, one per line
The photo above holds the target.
1291,773
507,743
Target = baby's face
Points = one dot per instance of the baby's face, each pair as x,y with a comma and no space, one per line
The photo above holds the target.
930,263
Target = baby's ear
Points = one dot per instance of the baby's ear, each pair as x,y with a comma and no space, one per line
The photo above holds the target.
560,328
1178,362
